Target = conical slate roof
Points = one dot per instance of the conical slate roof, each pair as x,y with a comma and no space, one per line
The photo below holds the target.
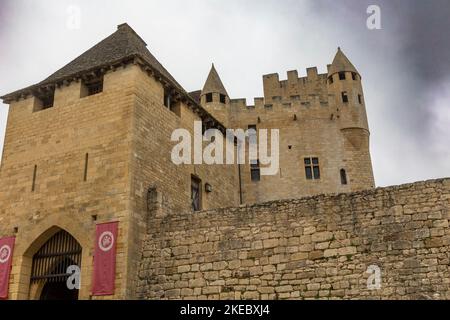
341,63
213,83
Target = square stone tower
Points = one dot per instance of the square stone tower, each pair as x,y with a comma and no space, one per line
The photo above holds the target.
92,144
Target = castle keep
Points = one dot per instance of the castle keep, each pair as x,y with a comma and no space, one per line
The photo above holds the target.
91,144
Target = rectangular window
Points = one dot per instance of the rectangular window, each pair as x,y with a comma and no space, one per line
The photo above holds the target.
312,170
44,100
344,97
196,188
209,97
343,177
341,75
92,86
171,103
167,98
354,76
330,80
223,98
255,172
359,99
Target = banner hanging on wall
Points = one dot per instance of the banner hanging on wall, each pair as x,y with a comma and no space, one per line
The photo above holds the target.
6,254
105,259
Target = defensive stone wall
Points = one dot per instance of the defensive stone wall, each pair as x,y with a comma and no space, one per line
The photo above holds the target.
316,247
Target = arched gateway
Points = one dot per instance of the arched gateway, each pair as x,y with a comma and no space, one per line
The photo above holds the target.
49,272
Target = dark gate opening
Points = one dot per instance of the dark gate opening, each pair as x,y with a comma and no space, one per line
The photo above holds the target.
50,267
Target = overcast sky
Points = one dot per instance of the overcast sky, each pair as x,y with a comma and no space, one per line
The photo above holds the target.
405,66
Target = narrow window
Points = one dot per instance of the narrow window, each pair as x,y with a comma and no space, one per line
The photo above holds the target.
354,76
222,98
33,184
312,170
92,86
341,75
195,193
86,160
344,97
255,172
316,169
359,99
209,97
330,80
44,100
167,98
343,177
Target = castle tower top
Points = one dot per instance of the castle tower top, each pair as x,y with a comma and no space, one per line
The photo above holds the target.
213,83
341,63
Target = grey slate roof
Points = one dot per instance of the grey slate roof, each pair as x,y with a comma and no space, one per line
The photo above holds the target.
341,63
196,95
213,83
122,44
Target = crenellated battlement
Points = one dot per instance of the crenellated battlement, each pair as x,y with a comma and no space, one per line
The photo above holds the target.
305,101
311,84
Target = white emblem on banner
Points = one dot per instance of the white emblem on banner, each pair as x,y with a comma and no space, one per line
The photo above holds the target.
106,241
5,252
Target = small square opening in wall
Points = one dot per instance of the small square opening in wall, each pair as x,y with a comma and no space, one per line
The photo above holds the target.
44,100
344,97
209,97
341,75
91,86
172,104
223,98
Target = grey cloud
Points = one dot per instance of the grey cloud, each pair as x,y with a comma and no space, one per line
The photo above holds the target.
404,66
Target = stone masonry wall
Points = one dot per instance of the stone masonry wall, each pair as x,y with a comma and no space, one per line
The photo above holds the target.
316,247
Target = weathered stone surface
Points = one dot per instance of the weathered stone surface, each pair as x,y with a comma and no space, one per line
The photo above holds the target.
332,259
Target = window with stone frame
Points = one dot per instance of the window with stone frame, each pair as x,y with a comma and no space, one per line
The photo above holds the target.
312,169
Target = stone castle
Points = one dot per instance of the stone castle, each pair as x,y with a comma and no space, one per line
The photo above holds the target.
92,143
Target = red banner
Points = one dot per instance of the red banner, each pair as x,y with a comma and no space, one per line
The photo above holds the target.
105,259
6,253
